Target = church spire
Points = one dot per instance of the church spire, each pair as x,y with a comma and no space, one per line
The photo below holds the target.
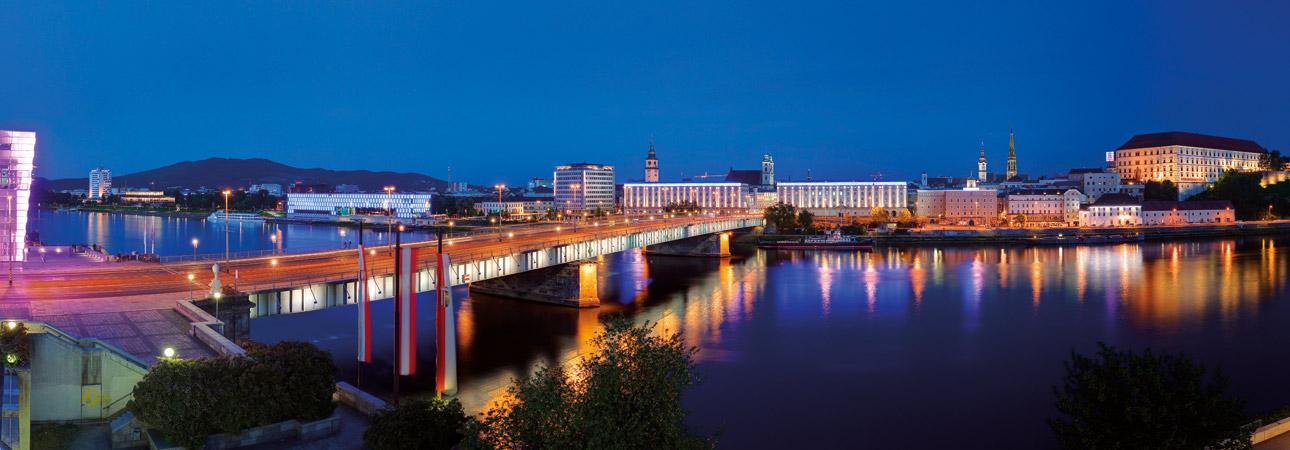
1012,156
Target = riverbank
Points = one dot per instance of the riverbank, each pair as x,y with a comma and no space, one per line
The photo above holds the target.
138,211
1021,236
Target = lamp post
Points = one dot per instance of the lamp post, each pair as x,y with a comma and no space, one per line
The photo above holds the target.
500,188
190,286
194,249
217,296
274,263
226,193
389,216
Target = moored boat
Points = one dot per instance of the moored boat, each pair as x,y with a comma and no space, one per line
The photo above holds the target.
220,216
1085,240
829,242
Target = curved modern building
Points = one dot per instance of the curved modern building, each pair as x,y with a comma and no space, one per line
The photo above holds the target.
17,151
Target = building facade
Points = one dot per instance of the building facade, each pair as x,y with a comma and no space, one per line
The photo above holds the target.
767,171
153,198
537,182
1112,210
651,165
982,174
404,205
719,198
1094,182
1192,161
17,153
100,183
1180,213
518,206
1051,206
829,198
1012,158
968,206
584,187
273,189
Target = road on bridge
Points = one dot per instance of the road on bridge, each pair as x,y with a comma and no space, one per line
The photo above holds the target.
119,279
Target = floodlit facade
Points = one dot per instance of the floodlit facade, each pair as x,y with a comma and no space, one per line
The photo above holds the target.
584,187
100,183
970,205
405,205
652,198
836,198
1094,182
17,152
1192,161
1046,205
145,197
1112,210
517,206
1180,213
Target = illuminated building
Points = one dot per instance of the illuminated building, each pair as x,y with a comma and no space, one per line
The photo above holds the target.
1191,161
145,197
969,206
1196,211
17,151
981,174
836,198
1112,210
1046,205
273,189
1094,182
584,187
1012,158
406,205
518,206
653,198
651,165
100,183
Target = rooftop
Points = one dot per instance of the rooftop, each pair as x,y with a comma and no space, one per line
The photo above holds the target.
752,177
1040,192
1185,139
1116,199
1193,205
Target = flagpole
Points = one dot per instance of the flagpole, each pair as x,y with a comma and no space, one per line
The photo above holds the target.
439,282
398,313
359,293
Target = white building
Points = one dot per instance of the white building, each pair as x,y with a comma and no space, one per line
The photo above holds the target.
969,206
1192,161
584,187
17,152
100,183
540,182
653,198
837,198
272,188
405,205
1112,210
517,206
1094,182
1178,213
1046,205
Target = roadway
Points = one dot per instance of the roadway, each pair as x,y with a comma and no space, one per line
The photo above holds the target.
130,279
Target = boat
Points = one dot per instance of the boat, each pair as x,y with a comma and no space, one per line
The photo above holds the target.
220,216
835,241
1096,239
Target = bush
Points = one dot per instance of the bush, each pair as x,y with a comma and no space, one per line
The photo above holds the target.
1148,401
186,400
16,342
626,395
420,424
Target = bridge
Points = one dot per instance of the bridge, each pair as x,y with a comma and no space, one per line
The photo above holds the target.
487,259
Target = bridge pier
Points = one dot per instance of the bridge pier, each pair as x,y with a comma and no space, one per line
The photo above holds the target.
715,245
572,284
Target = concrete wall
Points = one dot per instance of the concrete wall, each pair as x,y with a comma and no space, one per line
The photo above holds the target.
75,379
357,399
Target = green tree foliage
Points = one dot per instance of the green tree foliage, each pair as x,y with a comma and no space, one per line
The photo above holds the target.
782,215
683,207
1122,400
552,214
1272,160
625,395
187,400
806,221
1241,188
14,341
454,206
1160,190
419,424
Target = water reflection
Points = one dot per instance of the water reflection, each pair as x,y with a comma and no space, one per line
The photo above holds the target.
849,343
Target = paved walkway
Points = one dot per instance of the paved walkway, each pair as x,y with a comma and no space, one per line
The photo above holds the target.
1281,442
352,426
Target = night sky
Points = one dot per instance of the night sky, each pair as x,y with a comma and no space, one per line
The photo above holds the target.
502,92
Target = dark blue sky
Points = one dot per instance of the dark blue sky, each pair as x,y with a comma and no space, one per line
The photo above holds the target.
502,92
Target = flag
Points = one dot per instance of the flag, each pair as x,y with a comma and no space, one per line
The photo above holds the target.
445,378
407,312
364,310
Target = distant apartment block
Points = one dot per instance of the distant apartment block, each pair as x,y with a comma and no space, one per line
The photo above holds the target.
273,189
17,152
584,187
100,183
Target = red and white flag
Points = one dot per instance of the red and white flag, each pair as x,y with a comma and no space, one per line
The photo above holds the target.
445,378
364,310
408,312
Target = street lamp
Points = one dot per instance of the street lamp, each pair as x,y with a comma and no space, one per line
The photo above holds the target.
169,352
9,242
389,217
274,263
190,286
194,249
217,296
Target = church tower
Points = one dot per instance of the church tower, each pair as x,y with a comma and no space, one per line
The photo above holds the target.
651,164
767,171
1012,157
980,165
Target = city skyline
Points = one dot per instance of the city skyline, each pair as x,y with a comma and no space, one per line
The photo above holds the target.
845,91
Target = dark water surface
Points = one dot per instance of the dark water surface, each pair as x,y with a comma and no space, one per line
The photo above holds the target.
899,348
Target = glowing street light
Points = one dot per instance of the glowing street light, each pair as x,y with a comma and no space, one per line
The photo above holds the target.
274,263
190,286
168,352
226,194
194,249
389,217
217,296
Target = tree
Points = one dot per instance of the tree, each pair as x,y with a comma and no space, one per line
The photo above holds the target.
1122,400
806,220
906,219
683,207
1020,219
1250,200
1272,160
1160,190
878,216
782,216
432,424
626,395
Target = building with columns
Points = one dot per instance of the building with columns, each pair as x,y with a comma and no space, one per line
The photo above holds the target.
651,165
1190,160
718,198
838,198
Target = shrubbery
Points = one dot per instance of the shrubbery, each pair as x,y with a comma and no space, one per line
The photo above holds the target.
186,400
16,342
417,424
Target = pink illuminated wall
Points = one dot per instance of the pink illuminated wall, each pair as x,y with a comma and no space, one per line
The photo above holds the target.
17,151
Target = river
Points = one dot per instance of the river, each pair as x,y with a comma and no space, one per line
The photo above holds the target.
954,347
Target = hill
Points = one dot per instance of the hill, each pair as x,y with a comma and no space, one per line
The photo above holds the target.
225,172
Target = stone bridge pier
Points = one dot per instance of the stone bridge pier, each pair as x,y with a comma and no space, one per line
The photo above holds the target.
572,284
715,245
